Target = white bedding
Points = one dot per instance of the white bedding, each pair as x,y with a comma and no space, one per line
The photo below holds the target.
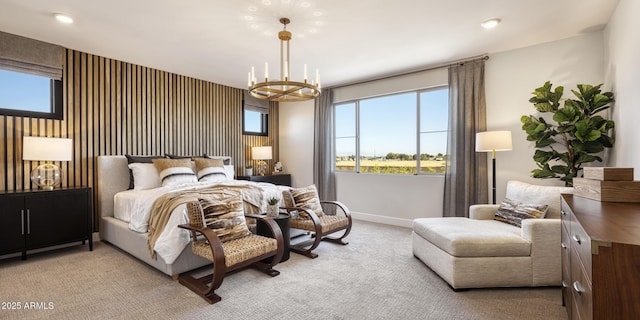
134,207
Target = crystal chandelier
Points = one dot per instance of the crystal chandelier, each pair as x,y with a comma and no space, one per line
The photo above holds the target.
284,90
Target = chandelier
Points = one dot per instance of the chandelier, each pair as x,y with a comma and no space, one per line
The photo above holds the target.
284,90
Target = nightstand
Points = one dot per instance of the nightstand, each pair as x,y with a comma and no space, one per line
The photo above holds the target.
284,222
43,218
283,179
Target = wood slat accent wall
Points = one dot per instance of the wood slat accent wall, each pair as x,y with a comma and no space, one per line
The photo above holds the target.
115,108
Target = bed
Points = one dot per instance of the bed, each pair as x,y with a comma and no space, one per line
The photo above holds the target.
113,196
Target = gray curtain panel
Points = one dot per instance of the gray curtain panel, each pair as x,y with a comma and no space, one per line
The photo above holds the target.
466,181
324,158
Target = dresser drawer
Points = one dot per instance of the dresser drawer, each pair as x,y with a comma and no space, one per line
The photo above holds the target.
580,288
581,243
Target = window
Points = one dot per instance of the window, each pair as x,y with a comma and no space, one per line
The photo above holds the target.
254,122
27,95
255,115
383,134
30,77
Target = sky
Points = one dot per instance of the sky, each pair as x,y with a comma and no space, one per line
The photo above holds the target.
388,124
22,91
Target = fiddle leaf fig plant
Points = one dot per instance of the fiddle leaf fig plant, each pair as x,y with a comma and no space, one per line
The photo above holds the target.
576,135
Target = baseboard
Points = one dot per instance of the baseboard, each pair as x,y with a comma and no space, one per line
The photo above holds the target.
382,219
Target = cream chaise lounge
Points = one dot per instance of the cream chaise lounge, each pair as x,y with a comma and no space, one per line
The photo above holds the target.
478,251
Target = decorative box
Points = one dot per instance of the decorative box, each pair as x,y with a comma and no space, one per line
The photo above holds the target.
608,191
608,173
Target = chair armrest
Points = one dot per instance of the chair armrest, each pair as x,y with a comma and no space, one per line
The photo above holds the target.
483,211
546,253
338,204
219,260
542,231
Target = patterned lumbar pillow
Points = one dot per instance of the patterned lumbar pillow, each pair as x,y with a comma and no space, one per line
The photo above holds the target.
307,198
175,171
210,170
513,212
224,216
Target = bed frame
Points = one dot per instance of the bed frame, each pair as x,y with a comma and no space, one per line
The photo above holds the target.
113,177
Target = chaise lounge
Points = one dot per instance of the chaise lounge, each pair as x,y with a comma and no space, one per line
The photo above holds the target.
479,251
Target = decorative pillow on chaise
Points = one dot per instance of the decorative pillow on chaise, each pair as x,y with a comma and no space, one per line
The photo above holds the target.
210,170
513,212
175,171
224,215
138,159
306,197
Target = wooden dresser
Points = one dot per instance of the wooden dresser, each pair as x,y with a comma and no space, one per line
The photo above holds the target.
600,259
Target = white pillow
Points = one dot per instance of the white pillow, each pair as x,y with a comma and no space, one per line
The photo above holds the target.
145,176
229,171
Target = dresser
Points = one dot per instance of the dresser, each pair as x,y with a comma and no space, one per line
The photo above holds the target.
37,219
600,258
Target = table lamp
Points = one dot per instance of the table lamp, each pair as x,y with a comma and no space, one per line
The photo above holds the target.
46,175
261,154
493,141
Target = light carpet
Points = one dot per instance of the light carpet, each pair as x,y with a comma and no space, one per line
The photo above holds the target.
374,277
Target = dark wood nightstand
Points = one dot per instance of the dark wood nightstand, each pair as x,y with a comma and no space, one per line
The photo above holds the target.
283,179
284,222
40,218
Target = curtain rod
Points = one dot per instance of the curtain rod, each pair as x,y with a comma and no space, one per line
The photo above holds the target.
434,67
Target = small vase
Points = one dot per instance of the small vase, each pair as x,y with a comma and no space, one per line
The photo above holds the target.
272,210
248,171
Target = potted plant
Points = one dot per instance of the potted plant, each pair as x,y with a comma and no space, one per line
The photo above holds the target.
576,135
272,207
248,170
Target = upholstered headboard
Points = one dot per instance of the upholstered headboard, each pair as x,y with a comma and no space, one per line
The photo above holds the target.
113,177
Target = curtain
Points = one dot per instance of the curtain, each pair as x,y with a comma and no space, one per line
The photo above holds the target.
30,56
466,181
324,158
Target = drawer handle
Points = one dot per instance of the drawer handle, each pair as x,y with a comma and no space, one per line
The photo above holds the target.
22,220
564,246
576,238
578,287
564,284
562,212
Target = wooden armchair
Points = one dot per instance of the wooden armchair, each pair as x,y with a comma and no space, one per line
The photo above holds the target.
307,214
248,250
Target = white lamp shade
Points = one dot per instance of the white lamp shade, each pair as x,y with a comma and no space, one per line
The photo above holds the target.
261,153
493,141
46,149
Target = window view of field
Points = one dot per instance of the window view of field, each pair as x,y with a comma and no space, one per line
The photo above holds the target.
391,164
388,134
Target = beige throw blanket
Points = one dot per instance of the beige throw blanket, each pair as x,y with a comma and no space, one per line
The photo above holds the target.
162,208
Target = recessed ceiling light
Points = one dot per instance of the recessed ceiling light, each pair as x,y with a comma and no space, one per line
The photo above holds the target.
490,24
63,18
253,9
266,2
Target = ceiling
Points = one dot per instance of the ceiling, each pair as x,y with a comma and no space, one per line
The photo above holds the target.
348,41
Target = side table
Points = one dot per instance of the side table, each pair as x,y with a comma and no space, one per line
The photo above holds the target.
284,222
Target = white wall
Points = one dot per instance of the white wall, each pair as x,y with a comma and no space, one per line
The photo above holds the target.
622,66
296,141
510,76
